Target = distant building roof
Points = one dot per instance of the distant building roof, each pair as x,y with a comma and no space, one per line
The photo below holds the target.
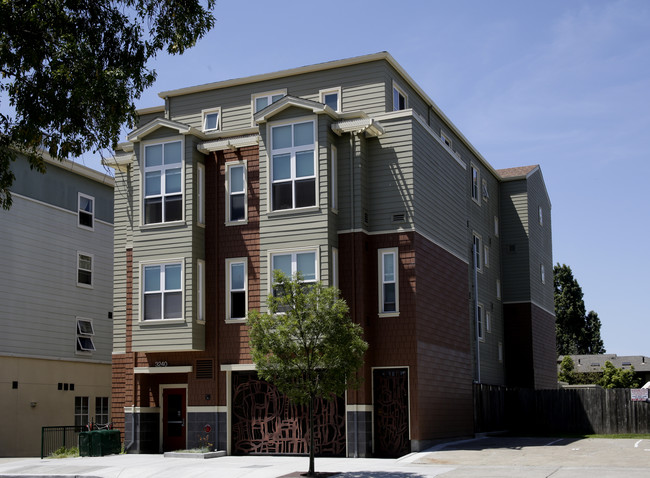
516,173
595,363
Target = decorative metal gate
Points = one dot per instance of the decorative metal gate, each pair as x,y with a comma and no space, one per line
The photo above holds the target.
264,421
391,409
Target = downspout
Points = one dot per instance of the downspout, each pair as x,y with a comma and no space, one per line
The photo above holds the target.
476,314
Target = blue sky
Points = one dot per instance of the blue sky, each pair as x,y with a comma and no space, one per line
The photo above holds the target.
564,84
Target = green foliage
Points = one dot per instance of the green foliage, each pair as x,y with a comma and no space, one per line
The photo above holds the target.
567,371
613,377
64,452
577,332
306,344
72,70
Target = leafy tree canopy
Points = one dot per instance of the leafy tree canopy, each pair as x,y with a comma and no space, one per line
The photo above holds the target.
306,344
609,377
72,69
577,332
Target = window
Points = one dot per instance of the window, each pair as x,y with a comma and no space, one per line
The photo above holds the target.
162,298
163,191
212,119
291,263
84,270
399,98
445,139
486,256
101,410
331,98
496,226
200,194
484,188
85,332
335,267
542,273
488,322
236,300
479,324
477,251
334,187
293,166
200,296
262,100
236,200
86,205
500,352
498,289
541,216
475,183
81,411
389,281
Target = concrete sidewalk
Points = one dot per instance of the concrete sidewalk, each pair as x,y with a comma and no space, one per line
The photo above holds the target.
488,457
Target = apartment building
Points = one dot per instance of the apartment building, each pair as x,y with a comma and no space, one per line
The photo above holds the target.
349,173
56,301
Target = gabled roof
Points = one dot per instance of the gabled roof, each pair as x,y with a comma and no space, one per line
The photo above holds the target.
288,101
520,172
157,123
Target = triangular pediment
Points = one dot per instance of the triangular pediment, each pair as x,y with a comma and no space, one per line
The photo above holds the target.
155,125
287,102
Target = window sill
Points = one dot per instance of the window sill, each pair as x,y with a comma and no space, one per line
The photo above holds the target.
381,315
85,286
236,321
288,212
86,228
243,222
159,322
162,225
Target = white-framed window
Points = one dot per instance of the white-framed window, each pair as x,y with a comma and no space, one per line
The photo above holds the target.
163,182
81,418
477,251
262,100
399,98
237,288
162,296
480,317
445,138
293,165
541,215
331,98
542,273
484,189
86,208
476,181
499,289
488,322
200,295
486,255
334,186
200,194
388,281
102,412
496,226
236,198
85,333
211,119
85,269
290,263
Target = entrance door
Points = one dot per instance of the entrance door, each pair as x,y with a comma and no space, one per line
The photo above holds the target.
174,419
391,411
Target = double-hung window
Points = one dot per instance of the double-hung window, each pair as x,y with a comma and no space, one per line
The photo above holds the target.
163,292
84,270
388,281
475,183
293,166
236,192
477,252
81,411
101,410
163,190
236,300
480,326
86,206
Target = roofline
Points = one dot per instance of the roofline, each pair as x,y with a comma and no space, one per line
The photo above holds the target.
80,169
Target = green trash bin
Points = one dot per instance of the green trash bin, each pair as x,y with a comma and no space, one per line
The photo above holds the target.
106,442
85,439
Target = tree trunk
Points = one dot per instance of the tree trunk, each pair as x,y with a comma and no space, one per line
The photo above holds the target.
311,437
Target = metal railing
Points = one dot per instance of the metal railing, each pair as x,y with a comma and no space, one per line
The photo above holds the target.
53,438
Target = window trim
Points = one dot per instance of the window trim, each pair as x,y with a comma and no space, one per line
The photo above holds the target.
334,186
475,183
79,333
204,116
293,251
398,89
481,322
200,291
80,211
200,194
477,261
542,273
229,263
142,292
292,152
229,166
498,286
329,91
380,276
143,170
91,270
486,255
446,139
484,190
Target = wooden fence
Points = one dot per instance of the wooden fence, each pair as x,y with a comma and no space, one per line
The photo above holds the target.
592,410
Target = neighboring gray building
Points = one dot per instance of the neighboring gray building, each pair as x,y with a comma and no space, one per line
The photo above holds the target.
56,294
349,173
595,363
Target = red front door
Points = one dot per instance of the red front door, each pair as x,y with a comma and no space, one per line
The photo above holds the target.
174,419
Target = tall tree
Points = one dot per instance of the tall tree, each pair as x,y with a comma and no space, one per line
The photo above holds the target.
306,344
577,332
72,70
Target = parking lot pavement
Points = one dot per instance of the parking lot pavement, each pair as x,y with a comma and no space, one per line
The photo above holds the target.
486,457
